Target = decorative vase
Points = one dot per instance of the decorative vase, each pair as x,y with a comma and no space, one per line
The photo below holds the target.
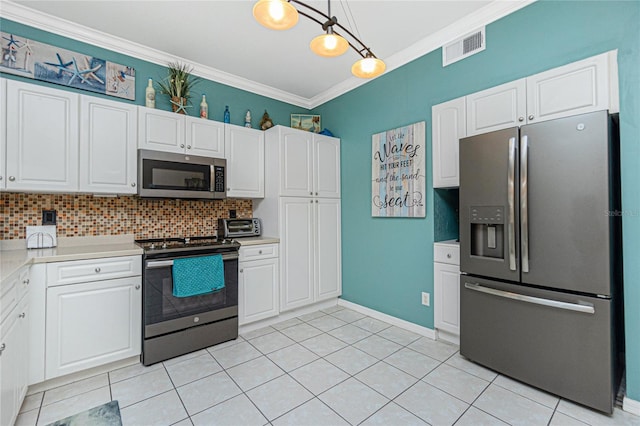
179,105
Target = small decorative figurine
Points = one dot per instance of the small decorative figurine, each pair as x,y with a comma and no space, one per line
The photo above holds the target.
227,115
247,119
266,122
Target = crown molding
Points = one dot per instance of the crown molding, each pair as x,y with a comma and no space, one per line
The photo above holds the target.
488,14
27,16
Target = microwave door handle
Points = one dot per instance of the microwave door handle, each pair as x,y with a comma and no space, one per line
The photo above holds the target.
212,178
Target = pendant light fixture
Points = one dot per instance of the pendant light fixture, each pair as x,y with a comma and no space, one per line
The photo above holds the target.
282,15
275,14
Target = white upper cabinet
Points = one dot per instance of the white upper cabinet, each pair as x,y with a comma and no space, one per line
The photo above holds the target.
449,125
108,147
576,88
204,137
3,131
42,138
244,150
497,108
170,132
161,130
296,157
326,166
311,164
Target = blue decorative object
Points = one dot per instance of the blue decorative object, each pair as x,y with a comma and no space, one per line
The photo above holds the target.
227,115
326,132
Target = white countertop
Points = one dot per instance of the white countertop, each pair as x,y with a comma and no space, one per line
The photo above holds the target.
252,241
12,258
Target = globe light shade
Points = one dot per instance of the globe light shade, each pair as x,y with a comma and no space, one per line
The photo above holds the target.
368,67
329,45
275,14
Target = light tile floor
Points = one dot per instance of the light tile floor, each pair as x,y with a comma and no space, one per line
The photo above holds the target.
331,367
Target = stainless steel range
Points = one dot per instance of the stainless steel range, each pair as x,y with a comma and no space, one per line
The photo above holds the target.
174,326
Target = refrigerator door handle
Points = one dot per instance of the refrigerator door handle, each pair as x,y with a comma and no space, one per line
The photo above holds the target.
586,308
524,203
512,200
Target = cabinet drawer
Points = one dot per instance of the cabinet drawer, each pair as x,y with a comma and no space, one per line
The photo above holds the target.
77,271
446,253
262,251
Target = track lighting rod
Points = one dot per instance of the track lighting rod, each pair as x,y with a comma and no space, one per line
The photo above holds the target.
333,21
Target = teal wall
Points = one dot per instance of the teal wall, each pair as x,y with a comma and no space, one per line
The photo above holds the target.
387,261
218,95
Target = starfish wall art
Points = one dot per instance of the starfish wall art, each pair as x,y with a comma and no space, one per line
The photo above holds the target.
40,61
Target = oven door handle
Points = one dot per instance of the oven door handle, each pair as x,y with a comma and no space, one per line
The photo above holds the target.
153,264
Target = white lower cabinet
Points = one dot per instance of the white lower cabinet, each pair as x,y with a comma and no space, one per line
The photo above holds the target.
446,289
14,346
94,322
311,256
258,283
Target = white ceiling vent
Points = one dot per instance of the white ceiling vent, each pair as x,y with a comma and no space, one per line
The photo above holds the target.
466,45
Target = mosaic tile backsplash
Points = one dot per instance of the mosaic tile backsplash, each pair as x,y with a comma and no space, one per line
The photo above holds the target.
86,215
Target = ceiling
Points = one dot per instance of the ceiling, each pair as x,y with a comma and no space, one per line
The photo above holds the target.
224,43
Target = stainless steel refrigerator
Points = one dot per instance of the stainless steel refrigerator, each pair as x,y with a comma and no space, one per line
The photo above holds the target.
540,255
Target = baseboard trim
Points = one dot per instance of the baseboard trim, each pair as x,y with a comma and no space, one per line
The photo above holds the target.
283,316
409,326
80,375
631,406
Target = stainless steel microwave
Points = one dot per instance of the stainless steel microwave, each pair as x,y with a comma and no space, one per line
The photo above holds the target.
170,175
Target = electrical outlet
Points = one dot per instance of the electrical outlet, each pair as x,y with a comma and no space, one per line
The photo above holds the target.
426,299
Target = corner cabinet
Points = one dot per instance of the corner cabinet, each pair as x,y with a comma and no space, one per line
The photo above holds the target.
302,207
42,138
449,125
258,283
244,151
93,313
108,154
446,290
170,132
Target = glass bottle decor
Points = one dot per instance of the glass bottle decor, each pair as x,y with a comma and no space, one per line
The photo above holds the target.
227,115
247,119
204,108
150,95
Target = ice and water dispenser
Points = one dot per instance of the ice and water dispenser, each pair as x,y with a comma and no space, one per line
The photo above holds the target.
487,231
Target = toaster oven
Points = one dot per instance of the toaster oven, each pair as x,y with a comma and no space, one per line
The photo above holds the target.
233,228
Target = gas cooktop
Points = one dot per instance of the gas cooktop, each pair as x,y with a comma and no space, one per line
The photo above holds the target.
208,242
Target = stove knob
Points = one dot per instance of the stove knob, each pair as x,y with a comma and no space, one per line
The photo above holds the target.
164,245
187,240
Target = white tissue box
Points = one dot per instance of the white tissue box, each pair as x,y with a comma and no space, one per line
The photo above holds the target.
41,236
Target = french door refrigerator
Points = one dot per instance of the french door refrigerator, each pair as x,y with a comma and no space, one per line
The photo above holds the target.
540,295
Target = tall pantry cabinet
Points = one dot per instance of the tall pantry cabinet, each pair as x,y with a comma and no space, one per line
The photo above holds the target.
302,207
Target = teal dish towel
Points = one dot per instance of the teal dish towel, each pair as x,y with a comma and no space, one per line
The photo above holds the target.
197,275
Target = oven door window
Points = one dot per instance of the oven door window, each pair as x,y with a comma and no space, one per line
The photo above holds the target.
160,304
159,174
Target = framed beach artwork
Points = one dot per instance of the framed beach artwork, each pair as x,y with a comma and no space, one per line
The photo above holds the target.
310,123
28,58
398,172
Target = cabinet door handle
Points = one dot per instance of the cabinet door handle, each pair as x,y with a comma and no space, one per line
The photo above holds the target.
133,184
521,119
311,193
316,193
22,315
316,201
188,146
259,251
448,255
2,348
26,282
138,287
97,270
531,117
12,178
241,270
181,145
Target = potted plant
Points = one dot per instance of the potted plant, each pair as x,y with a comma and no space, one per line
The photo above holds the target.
178,85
